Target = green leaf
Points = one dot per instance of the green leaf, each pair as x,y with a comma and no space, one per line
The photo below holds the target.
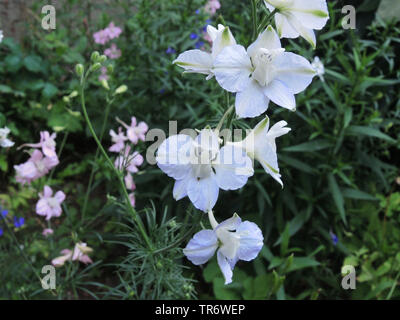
357,194
368,131
337,197
311,146
302,263
5,89
33,63
13,63
49,90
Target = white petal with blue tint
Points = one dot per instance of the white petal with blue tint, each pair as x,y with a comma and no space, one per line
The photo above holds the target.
203,192
201,247
251,241
251,102
225,267
280,94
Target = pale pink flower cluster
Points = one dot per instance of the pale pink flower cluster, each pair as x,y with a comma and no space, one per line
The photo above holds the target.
113,52
212,6
105,35
80,253
42,159
127,160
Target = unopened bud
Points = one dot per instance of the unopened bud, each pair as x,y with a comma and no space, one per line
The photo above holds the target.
102,58
105,85
95,67
79,69
95,56
121,89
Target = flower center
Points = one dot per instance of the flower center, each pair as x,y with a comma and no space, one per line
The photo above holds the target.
264,69
52,202
201,161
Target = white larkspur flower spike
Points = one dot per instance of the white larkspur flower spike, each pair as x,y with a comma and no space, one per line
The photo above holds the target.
262,73
260,145
4,141
201,168
198,61
299,17
234,239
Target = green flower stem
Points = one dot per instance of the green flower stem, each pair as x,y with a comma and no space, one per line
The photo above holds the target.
117,173
266,21
91,178
221,122
254,18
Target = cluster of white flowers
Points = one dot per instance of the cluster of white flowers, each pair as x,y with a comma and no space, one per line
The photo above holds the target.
262,73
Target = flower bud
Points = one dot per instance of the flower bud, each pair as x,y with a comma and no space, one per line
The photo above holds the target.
110,69
95,56
105,85
95,67
102,58
79,69
121,89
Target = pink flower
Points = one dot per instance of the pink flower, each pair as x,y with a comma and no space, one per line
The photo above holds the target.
132,199
80,253
103,75
113,52
101,37
118,140
47,144
212,6
135,133
128,161
59,261
129,183
113,31
47,232
36,167
48,205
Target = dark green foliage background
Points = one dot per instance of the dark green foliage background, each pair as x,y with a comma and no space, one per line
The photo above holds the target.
339,163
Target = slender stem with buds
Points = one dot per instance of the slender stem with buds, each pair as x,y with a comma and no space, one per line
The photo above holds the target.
133,212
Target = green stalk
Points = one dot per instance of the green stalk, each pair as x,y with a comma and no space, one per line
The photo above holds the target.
254,19
91,178
117,173
266,21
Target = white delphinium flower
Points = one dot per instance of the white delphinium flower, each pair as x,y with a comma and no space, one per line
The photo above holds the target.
234,239
198,61
260,145
299,17
262,73
319,68
1,36
4,141
201,168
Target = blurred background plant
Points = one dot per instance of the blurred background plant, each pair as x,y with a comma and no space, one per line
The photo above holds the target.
340,204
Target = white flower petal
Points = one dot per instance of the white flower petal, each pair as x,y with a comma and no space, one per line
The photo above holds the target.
203,192
232,168
224,38
267,40
201,247
305,32
251,102
232,68
294,71
313,15
225,267
173,156
195,61
180,189
251,241
280,94
284,28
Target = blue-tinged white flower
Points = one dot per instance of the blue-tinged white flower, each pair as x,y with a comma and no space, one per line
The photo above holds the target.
319,68
260,145
299,17
262,73
201,168
198,61
234,239
4,141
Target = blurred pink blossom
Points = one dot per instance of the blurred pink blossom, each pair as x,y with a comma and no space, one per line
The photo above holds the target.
105,35
129,161
113,31
47,144
48,205
101,37
129,183
103,75
118,140
47,232
80,253
212,6
113,52
36,167
132,199
135,132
